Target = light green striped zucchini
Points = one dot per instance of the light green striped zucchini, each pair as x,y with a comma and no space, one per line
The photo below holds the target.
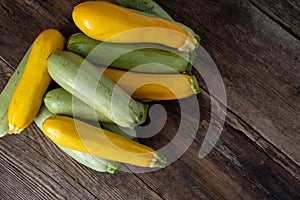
148,6
7,93
126,132
87,83
93,162
138,58
61,102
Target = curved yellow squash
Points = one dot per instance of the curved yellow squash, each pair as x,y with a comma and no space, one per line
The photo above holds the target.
28,96
80,136
105,21
151,86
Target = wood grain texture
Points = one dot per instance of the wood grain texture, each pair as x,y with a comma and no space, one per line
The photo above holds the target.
259,63
257,156
277,10
231,171
26,19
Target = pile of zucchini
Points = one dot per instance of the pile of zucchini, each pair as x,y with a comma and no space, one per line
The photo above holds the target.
153,63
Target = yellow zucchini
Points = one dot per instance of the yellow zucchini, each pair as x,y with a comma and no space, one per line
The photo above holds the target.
28,96
83,137
108,22
8,92
153,86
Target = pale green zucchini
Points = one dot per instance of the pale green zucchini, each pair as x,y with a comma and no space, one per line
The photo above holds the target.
61,102
148,6
7,93
126,132
137,57
87,83
91,161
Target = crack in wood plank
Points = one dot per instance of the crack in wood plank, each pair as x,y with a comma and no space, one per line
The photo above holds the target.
262,143
294,31
7,63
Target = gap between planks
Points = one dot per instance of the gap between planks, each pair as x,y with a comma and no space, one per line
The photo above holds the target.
262,143
275,18
7,63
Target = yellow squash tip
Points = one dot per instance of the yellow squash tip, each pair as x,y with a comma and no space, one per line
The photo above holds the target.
189,44
158,161
14,130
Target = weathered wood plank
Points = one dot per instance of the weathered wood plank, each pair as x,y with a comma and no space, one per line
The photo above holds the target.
259,63
235,169
5,71
24,20
277,10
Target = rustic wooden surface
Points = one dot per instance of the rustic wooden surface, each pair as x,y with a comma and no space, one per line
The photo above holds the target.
256,47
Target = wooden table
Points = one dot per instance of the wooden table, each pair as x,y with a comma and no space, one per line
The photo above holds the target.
255,44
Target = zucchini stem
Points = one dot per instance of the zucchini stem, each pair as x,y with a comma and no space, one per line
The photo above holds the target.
194,84
158,161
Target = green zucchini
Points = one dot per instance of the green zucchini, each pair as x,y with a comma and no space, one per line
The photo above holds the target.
136,57
61,102
83,80
7,93
126,132
148,6
93,162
